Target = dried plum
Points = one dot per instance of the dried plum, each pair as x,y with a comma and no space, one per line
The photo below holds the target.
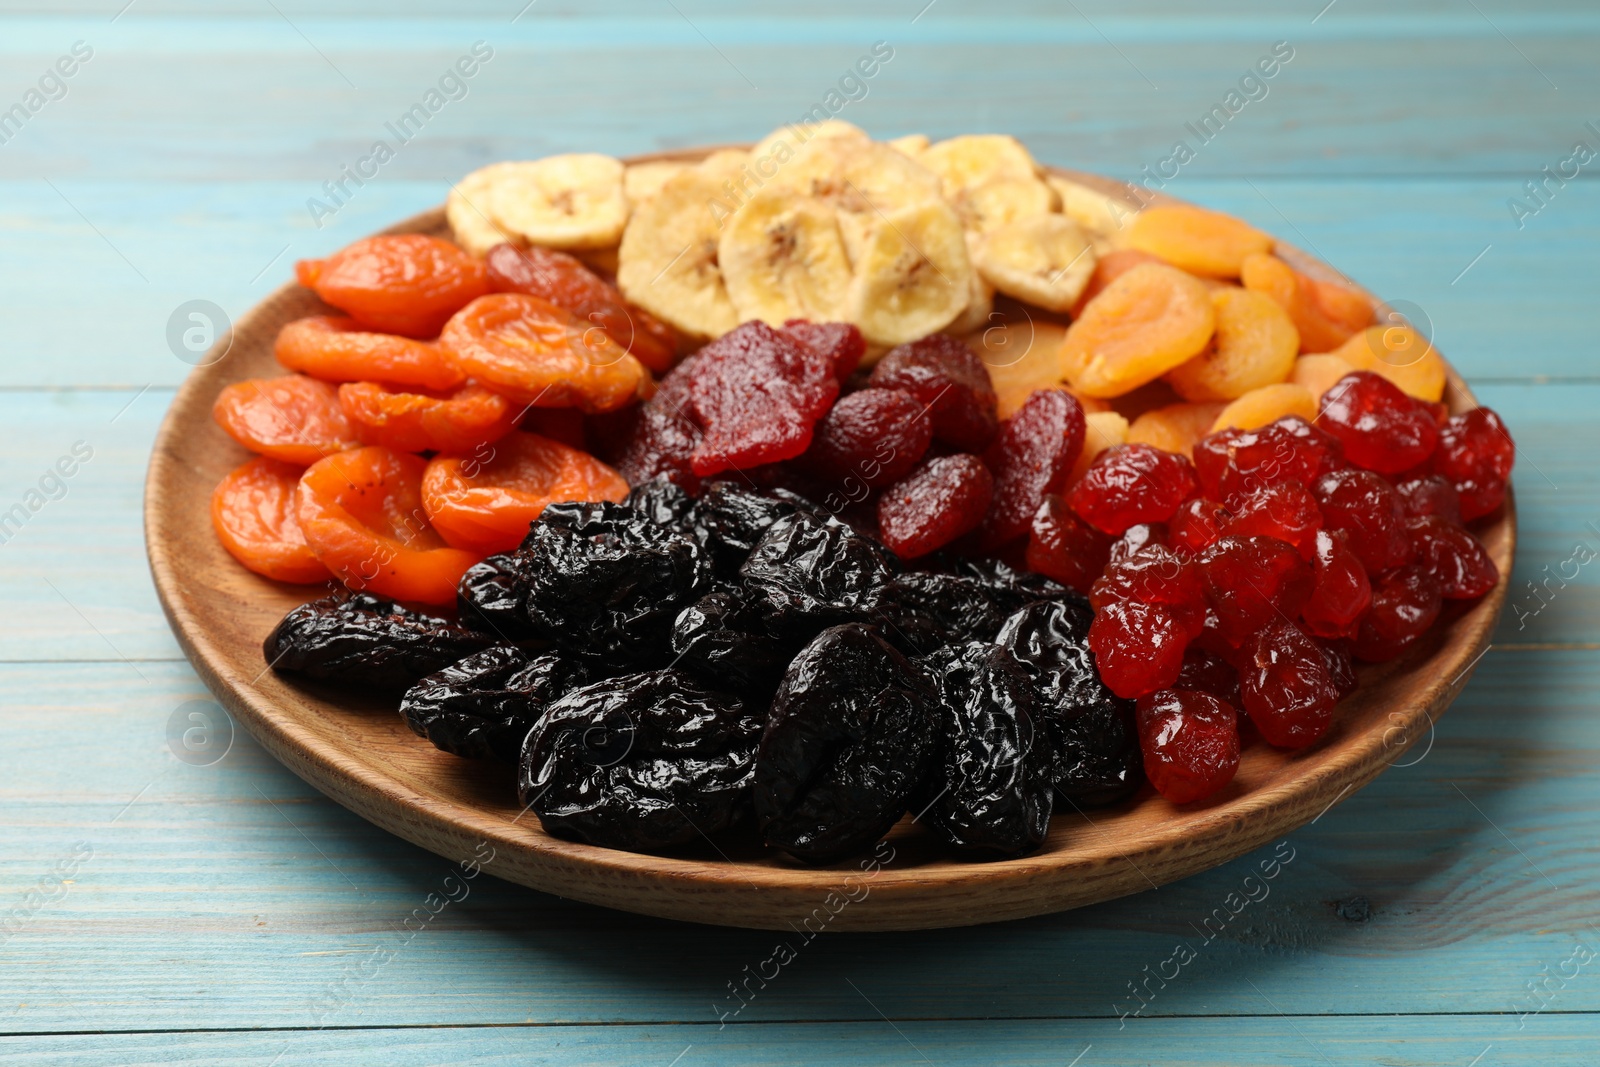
642,762
484,706
991,787
811,570
724,638
489,599
732,518
849,739
367,642
924,610
663,502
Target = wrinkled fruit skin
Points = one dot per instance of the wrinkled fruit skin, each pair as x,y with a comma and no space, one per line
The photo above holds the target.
1066,548
841,342
1190,741
923,610
1233,464
1131,484
1366,509
948,377
875,436
1253,582
991,782
1288,687
1032,456
850,737
725,639
642,762
939,502
1381,428
758,394
489,600
1475,454
812,571
366,642
1453,558
1430,497
1138,647
1405,602
729,519
1286,511
484,706
1340,589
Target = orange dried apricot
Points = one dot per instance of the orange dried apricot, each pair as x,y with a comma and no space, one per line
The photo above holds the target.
252,510
1294,292
1318,371
1107,269
1142,325
293,418
336,349
453,423
1400,354
1197,240
537,353
1345,307
1102,429
1267,404
362,514
407,283
1254,345
486,504
1023,357
1176,427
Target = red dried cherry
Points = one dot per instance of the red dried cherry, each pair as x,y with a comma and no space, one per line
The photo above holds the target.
1138,648
1380,427
1286,511
1190,742
1336,654
1287,687
1136,539
1232,464
1066,548
1405,603
758,394
1196,525
875,435
1429,495
1156,575
1129,484
1367,509
1032,455
933,505
1253,582
1453,558
841,341
1340,589
1476,454
949,377
1209,673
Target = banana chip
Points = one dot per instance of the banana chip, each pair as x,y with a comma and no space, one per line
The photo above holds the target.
795,136
968,161
667,263
782,258
470,210
914,277
912,144
1044,260
1001,201
641,181
1104,218
567,202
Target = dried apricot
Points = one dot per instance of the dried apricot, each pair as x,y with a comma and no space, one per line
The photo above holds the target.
1107,269
1145,323
1343,306
1318,371
485,505
293,418
1175,427
1254,345
537,353
1102,429
252,510
1267,404
1197,240
336,349
407,283
454,423
1400,354
1295,293
362,514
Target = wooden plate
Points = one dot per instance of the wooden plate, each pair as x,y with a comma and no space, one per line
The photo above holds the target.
364,757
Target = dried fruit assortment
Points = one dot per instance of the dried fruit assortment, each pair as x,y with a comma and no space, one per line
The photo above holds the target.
766,504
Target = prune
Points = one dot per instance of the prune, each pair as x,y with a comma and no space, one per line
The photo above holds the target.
1285,510
1065,547
484,706
1138,648
1288,687
1367,509
812,571
758,393
840,341
1190,741
663,502
1232,464
723,638
1130,484
948,377
1032,456
1094,752
922,610
1009,580
366,642
849,739
604,581
731,519
642,762
1476,454
875,436
489,599
1340,588
934,505
1380,427
991,783
1454,559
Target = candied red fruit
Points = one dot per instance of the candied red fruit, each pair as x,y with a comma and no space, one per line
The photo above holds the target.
1254,582
1155,575
1367,509
1453,558
1129,484
1340,667
758,394
1405,603
1138,648
949,377
1032,455
1196,525
1190,742
1476,454
1208,673
1285,510
935,504
1380,427
1232,464
1429,495
875,435
840,341
1066,548
1287,686
1135,539
1340,590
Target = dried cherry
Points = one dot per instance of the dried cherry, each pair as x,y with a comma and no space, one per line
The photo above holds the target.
951,380
1381,428
1287,686
1131,484
1253,582
938,502
1453,558
1066,548
1476,454
1340,589
1367,509
1190,741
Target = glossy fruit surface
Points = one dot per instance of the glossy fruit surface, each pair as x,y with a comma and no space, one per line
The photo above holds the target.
405,284
1190,741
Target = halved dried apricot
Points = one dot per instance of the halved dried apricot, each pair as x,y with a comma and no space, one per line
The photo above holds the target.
1296,294
1267,404
1205,242
253,512
540,354
1254,345
1176,427
293,418
1021,356
362,514
408,283
453,423
1107,269
486,504
1142,325
1400,354
336,349
1342,305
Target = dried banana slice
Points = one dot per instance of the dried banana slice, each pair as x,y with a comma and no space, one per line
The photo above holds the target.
797,135
470,210
980,306
914,277
1045,260
1104,218
641,181
782,258
1000,201
569,202
968,161
872,182
912,144
667,263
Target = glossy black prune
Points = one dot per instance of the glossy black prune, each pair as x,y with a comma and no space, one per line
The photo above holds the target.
642,762
723,638
732,518
1092,735
922,611
849,739
484,706
489,599
663,502
813,571
1025,586
991,786
604,581
366,642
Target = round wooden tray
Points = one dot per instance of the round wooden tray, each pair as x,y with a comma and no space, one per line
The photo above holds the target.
363,756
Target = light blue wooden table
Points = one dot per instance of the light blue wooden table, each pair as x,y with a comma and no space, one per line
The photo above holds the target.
153,910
